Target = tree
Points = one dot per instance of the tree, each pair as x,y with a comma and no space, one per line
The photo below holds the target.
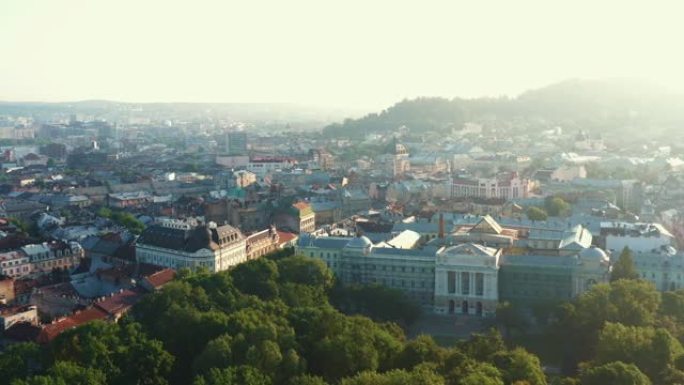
17,361
418,376
104,212
624,267
630,302
142,361
535,213
258,277
421,349
652,350
122,352
66,373
614,373
306,379
483,346
217,354
519,365
306,271
265,356
234,375
379,302
128,221
509,317
475,373
556,207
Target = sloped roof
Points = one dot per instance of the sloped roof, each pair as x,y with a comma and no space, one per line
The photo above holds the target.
119,303
285,237
54,329
487,225
160,278
470,249
190,240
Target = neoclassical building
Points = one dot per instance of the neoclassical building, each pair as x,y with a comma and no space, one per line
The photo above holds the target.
188,244
527,279
357,261
460,275
466,279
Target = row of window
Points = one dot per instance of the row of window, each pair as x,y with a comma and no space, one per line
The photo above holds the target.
403,269
465,283
653,276
14,262
13,272
397,283
540,277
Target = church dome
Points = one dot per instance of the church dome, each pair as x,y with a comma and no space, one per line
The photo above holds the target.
593,253
361,242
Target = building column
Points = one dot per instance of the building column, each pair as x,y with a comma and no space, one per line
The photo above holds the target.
456,280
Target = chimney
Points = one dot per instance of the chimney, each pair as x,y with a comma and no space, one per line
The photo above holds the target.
441,226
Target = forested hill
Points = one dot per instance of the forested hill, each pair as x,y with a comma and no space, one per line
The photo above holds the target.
594,105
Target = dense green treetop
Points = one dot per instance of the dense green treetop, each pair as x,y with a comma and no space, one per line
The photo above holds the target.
624,267
266,322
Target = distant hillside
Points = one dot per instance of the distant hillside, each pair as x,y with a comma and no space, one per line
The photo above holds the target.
247,112
422,114
605,106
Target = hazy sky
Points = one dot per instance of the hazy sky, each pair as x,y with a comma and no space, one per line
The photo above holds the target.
358,53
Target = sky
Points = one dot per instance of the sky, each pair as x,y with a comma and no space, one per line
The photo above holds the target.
366,53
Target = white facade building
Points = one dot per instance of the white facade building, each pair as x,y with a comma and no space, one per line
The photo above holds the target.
466,280
15,264
187,245
505,186
638,237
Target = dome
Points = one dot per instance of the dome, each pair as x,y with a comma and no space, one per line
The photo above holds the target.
593,253
361,242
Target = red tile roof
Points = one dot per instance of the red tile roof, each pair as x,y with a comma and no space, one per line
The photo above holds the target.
285,237
118,303
302,205
161,278
51,331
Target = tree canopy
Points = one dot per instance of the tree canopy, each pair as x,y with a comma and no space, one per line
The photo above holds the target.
266,322
624,267
536,213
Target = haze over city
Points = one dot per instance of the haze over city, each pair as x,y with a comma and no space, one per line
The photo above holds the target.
363,54
304,192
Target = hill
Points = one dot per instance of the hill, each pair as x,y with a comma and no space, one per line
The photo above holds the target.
606,106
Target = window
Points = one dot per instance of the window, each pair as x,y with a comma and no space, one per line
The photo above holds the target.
479,284
451,282
465,283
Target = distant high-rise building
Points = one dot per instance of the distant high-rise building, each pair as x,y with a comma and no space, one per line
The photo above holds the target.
236,143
